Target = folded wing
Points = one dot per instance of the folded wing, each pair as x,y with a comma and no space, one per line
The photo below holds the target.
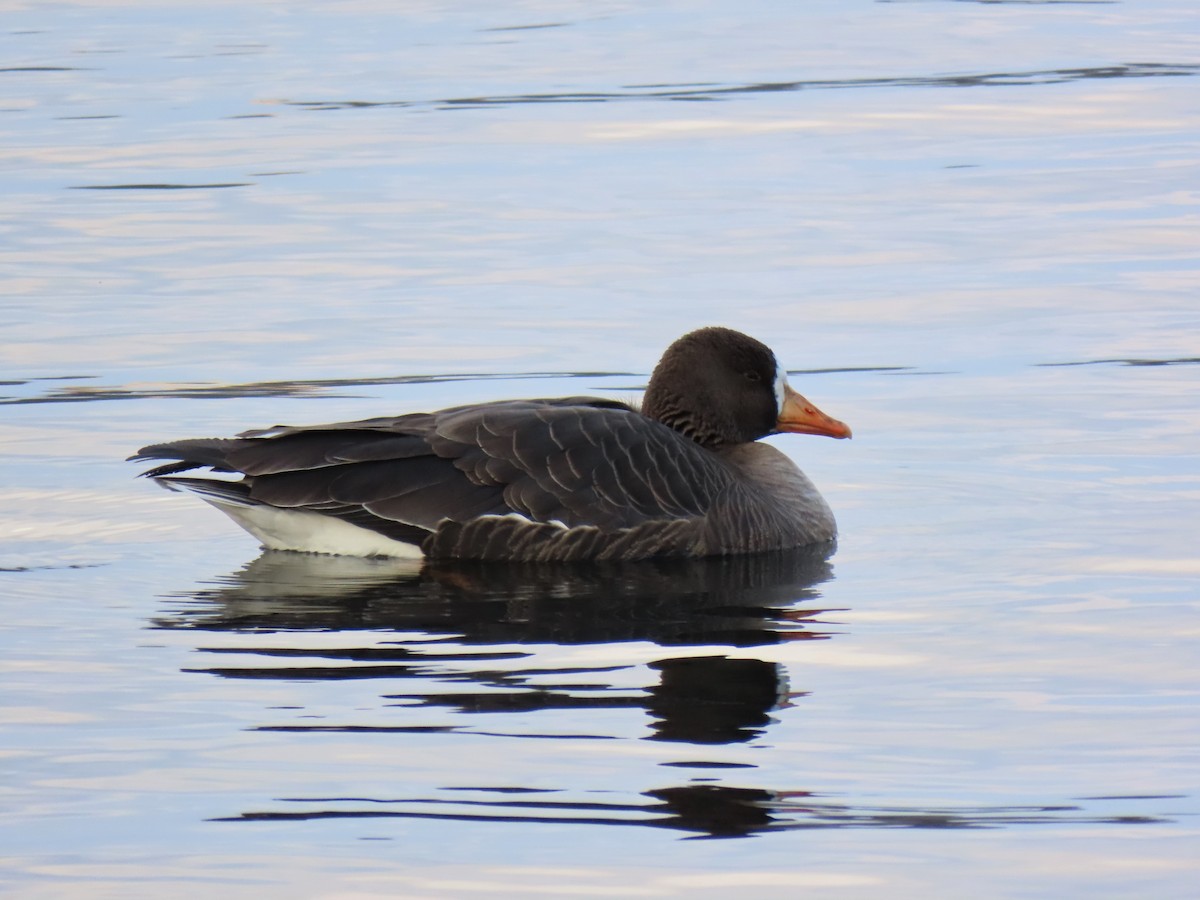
577,477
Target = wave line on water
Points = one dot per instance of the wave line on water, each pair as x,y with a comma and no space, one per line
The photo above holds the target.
701,91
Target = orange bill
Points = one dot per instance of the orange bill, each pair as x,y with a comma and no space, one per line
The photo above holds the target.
798,416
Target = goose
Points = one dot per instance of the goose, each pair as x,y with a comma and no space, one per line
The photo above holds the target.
574,478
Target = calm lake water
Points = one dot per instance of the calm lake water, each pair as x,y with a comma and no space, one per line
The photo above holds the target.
969,228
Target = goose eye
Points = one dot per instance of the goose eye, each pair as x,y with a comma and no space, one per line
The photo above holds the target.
751,375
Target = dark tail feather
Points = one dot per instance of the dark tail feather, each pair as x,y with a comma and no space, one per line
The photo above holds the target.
236,493
192,454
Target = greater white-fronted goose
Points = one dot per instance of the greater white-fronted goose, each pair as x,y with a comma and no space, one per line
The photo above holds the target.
576,478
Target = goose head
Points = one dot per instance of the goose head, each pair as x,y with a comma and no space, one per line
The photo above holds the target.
721,387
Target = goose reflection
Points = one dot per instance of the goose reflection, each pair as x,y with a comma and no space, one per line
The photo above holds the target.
708,810
454,610
456,647
741,601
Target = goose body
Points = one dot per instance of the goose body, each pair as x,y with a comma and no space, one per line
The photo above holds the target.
537,480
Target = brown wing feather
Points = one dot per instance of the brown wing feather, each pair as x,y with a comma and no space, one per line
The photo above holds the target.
587,478
582,465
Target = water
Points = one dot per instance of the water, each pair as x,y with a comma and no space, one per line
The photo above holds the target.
968,228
